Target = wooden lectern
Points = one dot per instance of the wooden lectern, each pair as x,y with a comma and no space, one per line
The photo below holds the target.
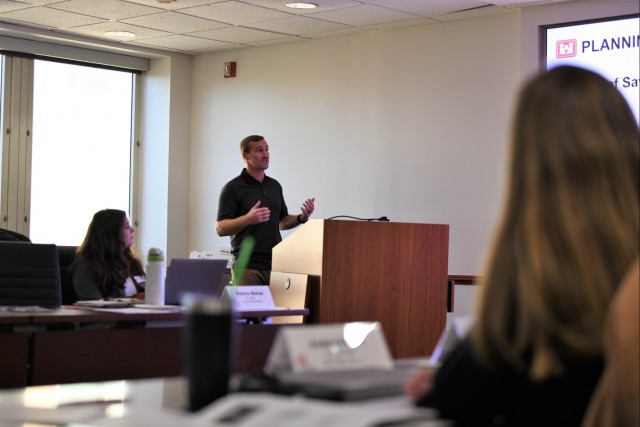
394,273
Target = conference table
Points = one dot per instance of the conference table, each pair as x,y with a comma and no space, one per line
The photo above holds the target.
78,314
161,402
133,376
73,344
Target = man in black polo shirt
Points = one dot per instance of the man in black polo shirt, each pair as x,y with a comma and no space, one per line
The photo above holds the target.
252,204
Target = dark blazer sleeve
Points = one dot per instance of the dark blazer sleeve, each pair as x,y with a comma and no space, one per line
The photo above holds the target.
85,283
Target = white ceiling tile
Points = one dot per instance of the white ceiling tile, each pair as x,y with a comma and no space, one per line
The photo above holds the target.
106,9
50,17
238,35
323,5
236,13
344,32
298,25
523,2
7,6
219,48
99,30
362,15
32,2
288,39
184,43
428,8
400,24
175,5
242,22
369,28
174,22
473,13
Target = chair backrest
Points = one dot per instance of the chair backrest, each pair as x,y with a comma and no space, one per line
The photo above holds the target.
66,255
29,274
12,236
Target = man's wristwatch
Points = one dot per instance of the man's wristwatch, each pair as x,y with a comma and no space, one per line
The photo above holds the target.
300,221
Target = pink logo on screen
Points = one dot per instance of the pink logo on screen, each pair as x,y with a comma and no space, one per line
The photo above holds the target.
566,48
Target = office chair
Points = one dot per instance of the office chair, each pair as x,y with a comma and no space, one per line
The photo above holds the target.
29,274
12,236
66,256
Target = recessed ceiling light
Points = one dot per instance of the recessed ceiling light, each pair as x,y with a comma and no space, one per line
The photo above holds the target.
301,5
120,34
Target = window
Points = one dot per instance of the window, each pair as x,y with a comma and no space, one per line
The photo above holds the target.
79,149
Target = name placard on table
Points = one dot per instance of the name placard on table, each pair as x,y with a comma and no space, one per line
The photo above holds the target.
246,298
347,346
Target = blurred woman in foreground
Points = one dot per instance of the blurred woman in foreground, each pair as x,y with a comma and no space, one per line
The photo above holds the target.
569,231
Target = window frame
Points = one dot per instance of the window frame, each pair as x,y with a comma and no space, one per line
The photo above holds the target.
15,182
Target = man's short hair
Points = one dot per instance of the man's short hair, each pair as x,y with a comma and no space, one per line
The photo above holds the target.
244,144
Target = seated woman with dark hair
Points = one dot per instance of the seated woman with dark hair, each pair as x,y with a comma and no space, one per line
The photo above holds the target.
106,265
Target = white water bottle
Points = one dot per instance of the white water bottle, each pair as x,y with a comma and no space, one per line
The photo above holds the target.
156,271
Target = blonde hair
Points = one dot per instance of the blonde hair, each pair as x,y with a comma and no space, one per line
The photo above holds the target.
570,226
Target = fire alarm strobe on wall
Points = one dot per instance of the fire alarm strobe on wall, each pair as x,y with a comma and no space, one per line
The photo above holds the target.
229,69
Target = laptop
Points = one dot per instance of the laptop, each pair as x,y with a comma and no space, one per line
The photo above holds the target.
187,275
348,385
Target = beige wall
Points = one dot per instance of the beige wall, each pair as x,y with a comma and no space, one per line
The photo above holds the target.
165,167
409,123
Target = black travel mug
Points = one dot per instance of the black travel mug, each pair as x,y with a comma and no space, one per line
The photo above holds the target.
209,348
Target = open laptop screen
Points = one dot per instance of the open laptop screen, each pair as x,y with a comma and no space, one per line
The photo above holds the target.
202,276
